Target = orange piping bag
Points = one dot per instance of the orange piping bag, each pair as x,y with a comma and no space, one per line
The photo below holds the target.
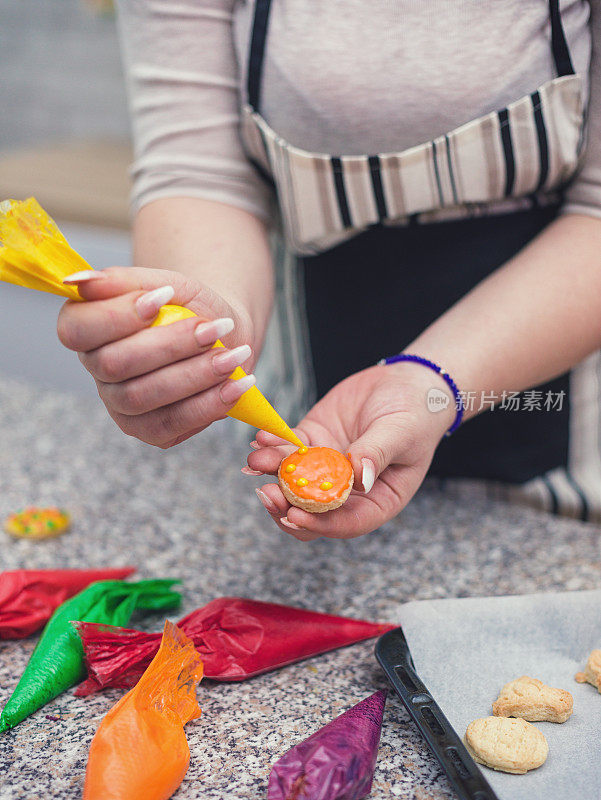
36,255
140,749
28,597
236,638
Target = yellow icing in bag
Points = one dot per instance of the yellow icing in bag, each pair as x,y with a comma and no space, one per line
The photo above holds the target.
36,255
253,407
33,251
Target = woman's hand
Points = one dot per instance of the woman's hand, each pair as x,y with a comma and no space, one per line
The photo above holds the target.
381,418
163,384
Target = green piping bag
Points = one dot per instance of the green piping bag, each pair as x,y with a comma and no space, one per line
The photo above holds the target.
57,661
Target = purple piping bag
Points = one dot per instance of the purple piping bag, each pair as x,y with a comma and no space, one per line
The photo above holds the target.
337,762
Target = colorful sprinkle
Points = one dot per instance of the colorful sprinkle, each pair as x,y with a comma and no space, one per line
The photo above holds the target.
301,482
302,450
325,486
290,467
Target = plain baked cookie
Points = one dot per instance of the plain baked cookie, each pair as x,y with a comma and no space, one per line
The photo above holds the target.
316,479
507,745
592,671
533,701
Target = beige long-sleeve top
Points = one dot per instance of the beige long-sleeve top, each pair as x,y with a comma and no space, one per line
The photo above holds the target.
340,76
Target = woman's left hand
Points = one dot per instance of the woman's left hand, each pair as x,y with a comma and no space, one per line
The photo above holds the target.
380,417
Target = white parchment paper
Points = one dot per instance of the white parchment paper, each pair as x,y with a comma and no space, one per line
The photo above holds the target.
465,650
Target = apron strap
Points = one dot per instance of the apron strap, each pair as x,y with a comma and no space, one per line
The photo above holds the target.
559,45
257,52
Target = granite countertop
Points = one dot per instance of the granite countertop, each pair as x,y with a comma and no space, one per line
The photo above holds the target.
189,513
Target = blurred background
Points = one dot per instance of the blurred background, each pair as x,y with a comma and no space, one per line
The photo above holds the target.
64,137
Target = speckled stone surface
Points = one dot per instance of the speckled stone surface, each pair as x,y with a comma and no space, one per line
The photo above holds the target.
189,513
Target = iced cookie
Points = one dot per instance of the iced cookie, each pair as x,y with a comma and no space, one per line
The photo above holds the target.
507,745
533,701
592,671
37,523
316,479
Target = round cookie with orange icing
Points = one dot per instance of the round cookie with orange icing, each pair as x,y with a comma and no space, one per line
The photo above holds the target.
316,479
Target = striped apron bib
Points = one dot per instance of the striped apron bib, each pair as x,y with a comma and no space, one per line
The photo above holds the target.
457,207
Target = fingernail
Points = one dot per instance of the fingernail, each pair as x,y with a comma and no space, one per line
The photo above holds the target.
149,304
83,276
285,521
224,363
249,471
232,390
208,332
368,474
254,445
267,502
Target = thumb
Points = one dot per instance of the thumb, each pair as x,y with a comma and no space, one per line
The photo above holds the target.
380,445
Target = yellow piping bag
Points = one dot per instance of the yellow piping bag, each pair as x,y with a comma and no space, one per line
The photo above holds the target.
36,255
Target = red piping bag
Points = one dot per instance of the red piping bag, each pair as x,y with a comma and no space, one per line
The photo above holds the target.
236,638
28,597
337,762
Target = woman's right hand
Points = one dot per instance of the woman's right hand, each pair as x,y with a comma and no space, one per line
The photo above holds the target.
163,384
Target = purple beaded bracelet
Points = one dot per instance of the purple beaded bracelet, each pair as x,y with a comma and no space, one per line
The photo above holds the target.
444,375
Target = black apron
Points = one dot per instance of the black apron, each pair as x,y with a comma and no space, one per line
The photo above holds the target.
380,288
399,280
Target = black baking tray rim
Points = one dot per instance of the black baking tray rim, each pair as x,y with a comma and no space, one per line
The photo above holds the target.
394,656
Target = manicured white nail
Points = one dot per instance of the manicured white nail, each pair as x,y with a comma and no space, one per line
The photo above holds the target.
224,363
368,474
267,502
251,471
83,276
208,332
254,445
285,521
149,304
232,390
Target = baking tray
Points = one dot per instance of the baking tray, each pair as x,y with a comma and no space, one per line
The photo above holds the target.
392,652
